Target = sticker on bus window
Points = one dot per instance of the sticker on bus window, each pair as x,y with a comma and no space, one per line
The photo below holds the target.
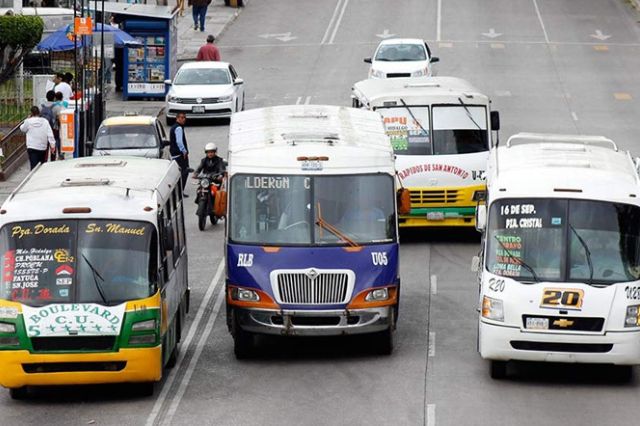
556,221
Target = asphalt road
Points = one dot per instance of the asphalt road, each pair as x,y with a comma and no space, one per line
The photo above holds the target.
549,65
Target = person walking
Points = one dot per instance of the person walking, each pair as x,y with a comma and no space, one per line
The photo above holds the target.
199,12
39,137
180,8
208,51
178,147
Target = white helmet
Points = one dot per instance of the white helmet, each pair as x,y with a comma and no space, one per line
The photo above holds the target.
210,147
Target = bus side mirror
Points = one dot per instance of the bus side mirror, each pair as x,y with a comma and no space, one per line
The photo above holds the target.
481,217
404,201
475,263
495,120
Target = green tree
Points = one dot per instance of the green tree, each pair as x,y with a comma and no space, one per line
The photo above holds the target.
18,35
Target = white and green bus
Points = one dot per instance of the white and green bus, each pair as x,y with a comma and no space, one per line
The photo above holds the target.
94,274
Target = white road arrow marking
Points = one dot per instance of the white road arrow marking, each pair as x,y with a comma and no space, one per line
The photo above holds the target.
385,34
600,36
492,33
281,36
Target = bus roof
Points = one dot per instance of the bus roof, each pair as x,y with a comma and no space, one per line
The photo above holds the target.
275,138
109,186
373,92
562,166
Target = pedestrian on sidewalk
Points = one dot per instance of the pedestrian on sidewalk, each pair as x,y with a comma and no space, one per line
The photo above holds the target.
180,7
199,12
178,147
63,87
39,137
208,51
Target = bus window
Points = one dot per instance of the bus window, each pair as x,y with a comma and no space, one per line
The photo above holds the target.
459,130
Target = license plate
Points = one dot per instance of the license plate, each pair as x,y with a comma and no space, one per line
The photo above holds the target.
435,216
198,109
537,323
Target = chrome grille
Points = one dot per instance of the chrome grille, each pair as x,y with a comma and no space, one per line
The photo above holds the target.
441,196
318,288
194,101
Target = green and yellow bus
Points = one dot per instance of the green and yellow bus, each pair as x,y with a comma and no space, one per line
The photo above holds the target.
94,274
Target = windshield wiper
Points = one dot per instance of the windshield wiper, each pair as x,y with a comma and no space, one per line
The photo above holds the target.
414,117
517,260
96,275
587,253
335,231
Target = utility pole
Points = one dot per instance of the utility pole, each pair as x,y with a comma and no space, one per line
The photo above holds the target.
17,10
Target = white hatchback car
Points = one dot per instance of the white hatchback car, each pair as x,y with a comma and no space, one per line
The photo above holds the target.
401,57
205,89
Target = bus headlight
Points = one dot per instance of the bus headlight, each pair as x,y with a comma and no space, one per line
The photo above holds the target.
377,295
144,325
492,309
480,195
633,316
142,339
244,295
6,327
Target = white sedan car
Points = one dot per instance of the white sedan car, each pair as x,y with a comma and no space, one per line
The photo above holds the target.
205,90
401,57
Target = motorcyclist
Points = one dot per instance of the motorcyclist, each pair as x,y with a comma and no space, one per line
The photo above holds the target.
211,164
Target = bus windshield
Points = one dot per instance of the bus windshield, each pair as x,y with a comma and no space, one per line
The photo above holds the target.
594,242
78,261
312,210
459,129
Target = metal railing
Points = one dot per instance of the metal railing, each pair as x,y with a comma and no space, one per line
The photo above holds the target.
14,151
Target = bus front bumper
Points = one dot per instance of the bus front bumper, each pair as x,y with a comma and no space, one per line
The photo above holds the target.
500,343
22,368
441,217
316,322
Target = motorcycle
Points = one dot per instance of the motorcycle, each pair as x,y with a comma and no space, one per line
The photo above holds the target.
209,186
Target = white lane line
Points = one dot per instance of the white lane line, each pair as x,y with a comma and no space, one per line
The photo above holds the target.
307,101
431,414
434,284
574,116
167,421
298,100
184,346
333,17
439,21
432,344
544,30
337,25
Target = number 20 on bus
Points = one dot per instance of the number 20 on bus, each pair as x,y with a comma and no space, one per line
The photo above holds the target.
562,298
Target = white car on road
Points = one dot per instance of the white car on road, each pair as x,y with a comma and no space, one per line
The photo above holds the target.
205,90
401,57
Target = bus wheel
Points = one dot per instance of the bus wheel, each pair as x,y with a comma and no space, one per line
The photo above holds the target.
173,358
145,388
498,370
384,341
243,347
202,222
19,393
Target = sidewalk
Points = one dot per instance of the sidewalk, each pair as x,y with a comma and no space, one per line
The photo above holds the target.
189,41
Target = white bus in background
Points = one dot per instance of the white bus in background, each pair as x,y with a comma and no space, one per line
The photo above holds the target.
440,129
559,268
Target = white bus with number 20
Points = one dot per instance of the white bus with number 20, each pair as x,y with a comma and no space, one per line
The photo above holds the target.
559,270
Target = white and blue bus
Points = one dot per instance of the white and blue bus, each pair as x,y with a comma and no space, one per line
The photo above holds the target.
312,238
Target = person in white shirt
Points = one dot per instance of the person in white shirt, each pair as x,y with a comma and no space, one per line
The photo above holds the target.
52,83
63,87
39,137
